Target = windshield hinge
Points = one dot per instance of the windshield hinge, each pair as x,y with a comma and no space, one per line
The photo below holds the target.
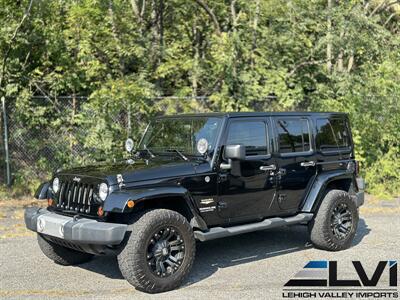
120,180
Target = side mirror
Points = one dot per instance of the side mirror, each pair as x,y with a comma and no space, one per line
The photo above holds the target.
129,144
233,153
237,152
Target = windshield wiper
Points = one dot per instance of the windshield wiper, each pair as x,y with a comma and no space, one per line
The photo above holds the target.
179,153
148,151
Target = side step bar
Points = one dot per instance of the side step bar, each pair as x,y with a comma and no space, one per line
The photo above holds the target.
220,232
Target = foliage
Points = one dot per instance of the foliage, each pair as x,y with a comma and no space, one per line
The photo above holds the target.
234,54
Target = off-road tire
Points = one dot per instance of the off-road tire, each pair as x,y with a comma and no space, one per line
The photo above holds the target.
132,259
61,255
320,229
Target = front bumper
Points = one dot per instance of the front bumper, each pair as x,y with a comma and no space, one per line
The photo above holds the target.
74,229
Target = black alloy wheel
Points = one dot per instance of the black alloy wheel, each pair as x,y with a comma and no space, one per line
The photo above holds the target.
341,221
165,252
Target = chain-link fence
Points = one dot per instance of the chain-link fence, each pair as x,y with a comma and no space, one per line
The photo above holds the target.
51,133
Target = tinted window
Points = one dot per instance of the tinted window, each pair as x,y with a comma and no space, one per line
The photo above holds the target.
294,135
332,134
251,134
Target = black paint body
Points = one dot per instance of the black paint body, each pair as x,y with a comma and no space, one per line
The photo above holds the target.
216,196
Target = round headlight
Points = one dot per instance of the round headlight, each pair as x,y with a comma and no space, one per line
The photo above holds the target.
103,191
56,185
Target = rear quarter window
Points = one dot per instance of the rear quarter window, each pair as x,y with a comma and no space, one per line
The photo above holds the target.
332,134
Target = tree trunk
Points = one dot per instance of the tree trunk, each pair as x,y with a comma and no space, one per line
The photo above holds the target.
211,14
329,38
195,58
255,27
139,12
161,30
235,85
115,35
157,33
351,62
156,29
340,56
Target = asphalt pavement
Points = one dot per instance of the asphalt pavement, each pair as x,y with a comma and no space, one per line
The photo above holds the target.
251,266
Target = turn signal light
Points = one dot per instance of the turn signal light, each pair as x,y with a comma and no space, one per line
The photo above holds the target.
50,202
130,204
100,211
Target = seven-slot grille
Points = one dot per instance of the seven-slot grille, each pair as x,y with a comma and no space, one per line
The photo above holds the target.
76,196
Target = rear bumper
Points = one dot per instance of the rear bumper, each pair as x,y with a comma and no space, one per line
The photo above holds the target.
75,230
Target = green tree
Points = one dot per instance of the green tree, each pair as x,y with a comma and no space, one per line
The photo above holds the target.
136,59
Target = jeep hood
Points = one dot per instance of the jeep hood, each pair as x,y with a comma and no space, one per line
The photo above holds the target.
140,170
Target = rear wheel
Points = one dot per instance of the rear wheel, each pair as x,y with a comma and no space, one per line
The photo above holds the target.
159,252
61,255
335,223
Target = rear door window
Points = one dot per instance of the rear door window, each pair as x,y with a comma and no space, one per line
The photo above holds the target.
293,135
332,134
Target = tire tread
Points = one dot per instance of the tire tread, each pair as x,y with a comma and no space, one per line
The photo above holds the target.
320,232
129,260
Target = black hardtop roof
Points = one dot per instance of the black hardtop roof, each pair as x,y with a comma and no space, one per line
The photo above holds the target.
255,114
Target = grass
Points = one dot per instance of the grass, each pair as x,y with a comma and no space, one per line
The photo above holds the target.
21,202
12,216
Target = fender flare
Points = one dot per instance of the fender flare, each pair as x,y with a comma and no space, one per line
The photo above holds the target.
116,201
42,191
314,196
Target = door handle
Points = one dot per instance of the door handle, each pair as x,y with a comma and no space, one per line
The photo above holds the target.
307,164
268,168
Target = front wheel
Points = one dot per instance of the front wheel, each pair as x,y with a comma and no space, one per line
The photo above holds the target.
335,223
159,252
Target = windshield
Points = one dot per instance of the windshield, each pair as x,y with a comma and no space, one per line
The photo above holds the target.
182,134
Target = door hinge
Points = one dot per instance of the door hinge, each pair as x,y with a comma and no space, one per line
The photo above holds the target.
281,171
222,177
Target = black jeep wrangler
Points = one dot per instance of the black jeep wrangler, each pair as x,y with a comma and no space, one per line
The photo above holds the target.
203,176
